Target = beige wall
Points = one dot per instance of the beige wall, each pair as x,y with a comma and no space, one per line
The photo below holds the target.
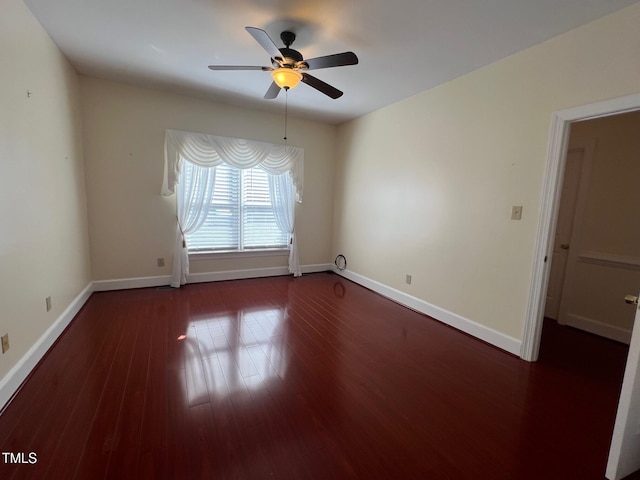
131,224
608,229
425,186
44,243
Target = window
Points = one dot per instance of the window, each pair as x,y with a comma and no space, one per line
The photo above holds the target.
240,216
236,212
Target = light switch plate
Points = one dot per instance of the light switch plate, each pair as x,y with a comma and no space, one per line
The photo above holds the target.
516,212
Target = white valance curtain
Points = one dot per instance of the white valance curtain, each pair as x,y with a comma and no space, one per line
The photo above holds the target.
283,162
211,150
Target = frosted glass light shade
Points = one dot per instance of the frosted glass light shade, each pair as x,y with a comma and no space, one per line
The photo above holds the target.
286,77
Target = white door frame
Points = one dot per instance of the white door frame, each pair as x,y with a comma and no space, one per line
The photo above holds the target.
549,204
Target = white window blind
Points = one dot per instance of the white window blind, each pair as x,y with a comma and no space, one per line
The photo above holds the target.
240,215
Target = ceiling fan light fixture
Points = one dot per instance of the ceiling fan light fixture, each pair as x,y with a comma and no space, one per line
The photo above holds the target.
286,78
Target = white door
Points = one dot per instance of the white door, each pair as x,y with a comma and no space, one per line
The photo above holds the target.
624,453
562,242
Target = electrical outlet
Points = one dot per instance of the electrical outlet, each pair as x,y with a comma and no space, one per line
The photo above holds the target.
160,262
5,342
408,279
47,302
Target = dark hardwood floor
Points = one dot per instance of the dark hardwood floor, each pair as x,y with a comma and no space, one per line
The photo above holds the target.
307,378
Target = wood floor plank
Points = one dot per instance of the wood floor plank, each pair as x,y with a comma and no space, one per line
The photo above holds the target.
128,433
152,450
310,378
103,437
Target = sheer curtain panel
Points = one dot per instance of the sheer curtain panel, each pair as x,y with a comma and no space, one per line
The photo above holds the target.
207,152
193,200
282,192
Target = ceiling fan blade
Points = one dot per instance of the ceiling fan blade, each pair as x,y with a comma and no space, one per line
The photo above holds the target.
239,67
272,92
263,39
321,86
336,60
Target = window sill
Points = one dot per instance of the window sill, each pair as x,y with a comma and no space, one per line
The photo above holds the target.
272,252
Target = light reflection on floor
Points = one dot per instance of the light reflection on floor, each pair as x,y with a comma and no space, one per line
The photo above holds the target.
234,352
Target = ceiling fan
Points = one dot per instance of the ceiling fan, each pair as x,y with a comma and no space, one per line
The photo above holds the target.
289,66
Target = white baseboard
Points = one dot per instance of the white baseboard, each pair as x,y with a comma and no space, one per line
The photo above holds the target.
145,282
253,273
128,283
11,382
463,324
598,328
317,268
237,274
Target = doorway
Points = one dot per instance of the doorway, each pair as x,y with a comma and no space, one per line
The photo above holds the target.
552,186
596,248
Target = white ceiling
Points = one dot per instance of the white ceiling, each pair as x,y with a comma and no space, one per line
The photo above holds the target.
404,46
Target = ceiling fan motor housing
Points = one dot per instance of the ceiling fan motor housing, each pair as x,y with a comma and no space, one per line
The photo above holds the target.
290,56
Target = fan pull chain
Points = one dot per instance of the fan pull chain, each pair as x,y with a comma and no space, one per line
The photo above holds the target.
286,111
